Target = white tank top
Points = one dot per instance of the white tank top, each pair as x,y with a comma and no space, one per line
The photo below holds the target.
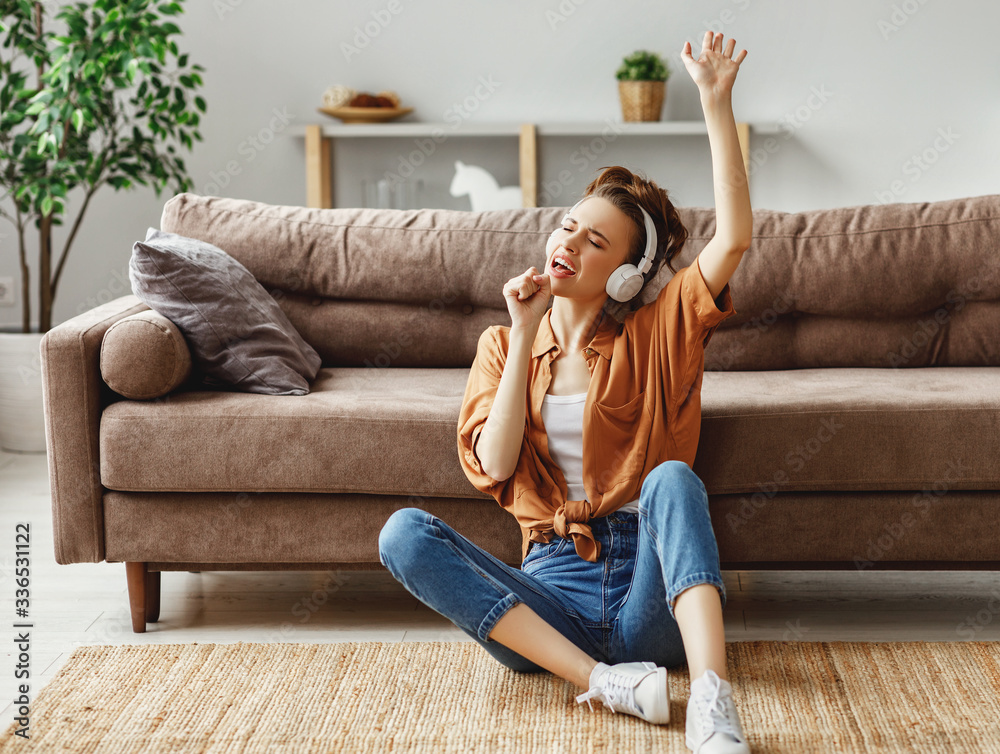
563,419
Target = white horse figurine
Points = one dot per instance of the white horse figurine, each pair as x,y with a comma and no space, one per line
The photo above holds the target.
483,190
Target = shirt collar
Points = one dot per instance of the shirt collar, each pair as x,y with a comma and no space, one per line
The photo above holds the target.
603,341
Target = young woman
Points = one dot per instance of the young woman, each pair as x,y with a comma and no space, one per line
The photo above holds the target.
585,428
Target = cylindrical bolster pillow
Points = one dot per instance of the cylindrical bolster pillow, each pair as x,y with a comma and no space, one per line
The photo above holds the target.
144,356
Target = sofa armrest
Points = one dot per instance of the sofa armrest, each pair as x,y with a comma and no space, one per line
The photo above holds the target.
74,395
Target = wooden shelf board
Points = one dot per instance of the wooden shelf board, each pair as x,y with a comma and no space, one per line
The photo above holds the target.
319,137
571,128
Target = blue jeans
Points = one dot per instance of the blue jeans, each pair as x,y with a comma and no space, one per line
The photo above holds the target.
619,609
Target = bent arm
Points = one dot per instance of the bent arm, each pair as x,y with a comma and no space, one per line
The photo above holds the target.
733,215
499,443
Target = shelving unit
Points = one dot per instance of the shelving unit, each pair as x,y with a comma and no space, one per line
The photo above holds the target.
319,139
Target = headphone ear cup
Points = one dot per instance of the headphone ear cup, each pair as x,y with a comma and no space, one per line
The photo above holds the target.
624,283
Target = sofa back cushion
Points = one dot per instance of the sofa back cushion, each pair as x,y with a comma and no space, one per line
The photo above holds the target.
893,285
913,284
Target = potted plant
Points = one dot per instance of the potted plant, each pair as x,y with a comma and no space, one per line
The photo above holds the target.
102,106
642,85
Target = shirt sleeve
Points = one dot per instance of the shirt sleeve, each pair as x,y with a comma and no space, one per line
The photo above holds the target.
480,392
704,312
682,320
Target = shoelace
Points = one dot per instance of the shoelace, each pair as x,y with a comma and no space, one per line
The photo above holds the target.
612,689
715,711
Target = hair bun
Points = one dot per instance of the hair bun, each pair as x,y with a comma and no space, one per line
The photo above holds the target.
617,175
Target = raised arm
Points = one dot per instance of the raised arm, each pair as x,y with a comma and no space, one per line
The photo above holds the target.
715,72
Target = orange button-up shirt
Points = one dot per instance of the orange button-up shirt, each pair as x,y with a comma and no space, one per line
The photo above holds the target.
643,407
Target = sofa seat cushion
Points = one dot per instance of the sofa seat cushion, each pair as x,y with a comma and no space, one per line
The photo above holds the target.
369,430
393,431
923,428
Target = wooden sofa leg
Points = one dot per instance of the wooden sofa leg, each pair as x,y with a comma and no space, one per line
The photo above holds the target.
152,596
137,577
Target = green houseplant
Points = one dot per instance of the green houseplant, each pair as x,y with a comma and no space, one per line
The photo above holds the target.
104,109
642,85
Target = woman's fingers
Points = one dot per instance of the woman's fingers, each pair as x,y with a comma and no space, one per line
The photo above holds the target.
529,286
536,282
512,288
523,286
714,41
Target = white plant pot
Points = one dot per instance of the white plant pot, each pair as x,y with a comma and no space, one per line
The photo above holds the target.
22,419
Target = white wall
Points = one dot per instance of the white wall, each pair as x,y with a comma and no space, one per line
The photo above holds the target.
865,88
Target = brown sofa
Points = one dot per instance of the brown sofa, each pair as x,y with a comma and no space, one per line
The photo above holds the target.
851,408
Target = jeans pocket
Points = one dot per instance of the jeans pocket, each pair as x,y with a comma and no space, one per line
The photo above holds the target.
542,551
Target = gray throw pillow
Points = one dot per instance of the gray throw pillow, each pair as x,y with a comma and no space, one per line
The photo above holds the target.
239,337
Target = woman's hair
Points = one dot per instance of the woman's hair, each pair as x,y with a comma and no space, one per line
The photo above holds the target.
627,191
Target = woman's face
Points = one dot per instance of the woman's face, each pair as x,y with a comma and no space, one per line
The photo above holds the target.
594,239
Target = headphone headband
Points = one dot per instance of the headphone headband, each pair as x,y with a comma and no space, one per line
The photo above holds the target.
650,252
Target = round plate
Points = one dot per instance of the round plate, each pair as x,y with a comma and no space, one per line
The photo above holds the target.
365,114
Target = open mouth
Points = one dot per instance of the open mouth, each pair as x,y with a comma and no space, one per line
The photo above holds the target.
557,265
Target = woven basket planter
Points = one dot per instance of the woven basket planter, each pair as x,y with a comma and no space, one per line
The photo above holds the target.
642,100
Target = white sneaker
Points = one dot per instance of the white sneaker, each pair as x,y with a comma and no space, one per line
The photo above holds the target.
713,725
637,688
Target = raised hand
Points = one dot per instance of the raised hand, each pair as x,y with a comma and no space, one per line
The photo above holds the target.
715,70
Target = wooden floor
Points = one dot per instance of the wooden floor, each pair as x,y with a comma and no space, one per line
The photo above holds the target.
87,603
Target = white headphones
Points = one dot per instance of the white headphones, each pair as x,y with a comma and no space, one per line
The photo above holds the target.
626,281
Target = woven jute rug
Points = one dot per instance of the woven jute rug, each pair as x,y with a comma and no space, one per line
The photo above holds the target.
454,697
